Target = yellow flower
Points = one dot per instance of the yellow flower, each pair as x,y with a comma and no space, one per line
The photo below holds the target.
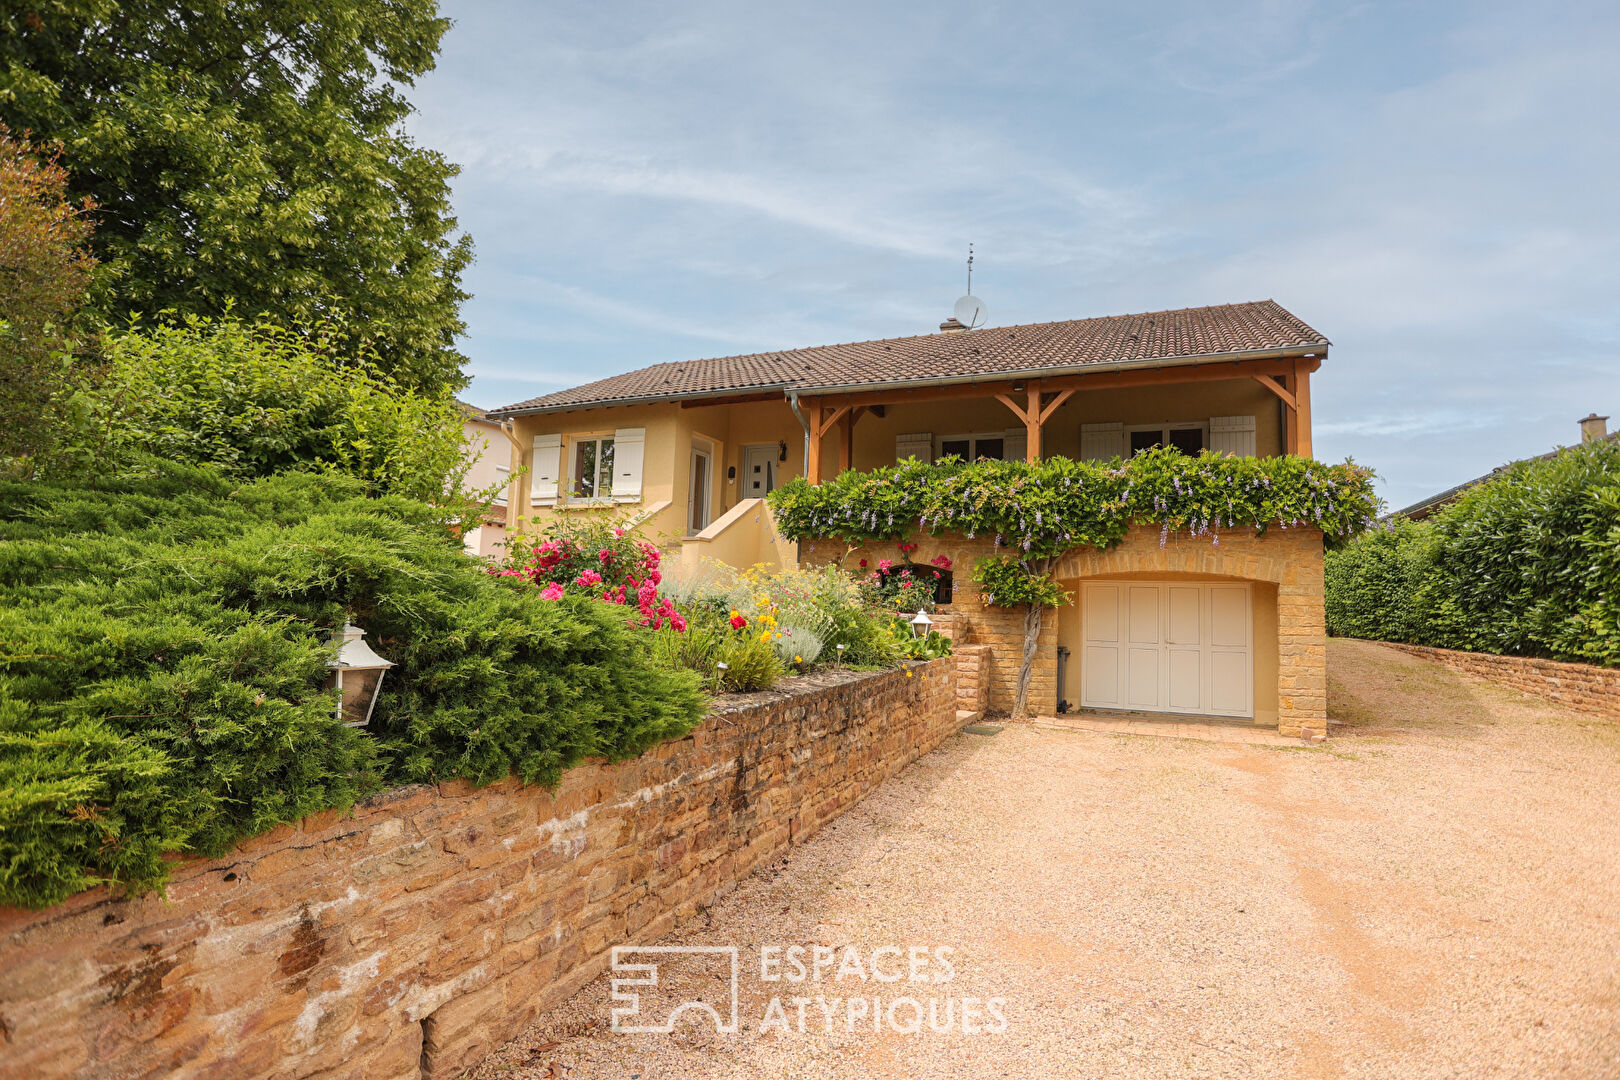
734,613
908,673
766,636
798,659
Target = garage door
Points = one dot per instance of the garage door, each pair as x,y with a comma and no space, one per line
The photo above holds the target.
1179,647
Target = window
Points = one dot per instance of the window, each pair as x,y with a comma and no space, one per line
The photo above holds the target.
1188,438
973,447
592,474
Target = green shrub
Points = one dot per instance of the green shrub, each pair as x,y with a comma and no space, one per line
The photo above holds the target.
1527,563
255,400
163,650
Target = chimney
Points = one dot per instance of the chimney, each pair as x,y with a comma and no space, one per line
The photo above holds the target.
1593,427
951,326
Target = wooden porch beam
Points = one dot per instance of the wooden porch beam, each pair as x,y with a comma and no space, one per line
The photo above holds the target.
1017,410
812,456
1057,400
1032,423
1102,380
1270,383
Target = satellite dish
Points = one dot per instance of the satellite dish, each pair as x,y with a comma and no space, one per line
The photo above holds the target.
969,311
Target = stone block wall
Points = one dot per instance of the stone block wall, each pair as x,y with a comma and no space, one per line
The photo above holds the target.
1583,687
972,678
412,934
972,623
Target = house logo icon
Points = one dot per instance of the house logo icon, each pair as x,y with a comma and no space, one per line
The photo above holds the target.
636,966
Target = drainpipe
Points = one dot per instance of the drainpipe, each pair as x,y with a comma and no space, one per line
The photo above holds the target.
793,403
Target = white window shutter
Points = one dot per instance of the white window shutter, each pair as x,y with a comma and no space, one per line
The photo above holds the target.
629,449
1232,435
1014,444
919,445
1102,442
547,467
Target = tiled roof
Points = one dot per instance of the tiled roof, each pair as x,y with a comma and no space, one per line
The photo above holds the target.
1075,344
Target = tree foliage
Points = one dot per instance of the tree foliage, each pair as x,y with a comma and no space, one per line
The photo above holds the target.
1527,563
44,274
163,647
253,153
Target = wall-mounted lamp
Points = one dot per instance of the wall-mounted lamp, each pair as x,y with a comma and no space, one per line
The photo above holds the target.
781,451
731,475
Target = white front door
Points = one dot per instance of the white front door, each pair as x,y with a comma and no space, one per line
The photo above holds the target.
759,471
1182,647
698,492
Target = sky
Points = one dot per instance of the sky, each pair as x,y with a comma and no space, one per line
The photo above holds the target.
1431,185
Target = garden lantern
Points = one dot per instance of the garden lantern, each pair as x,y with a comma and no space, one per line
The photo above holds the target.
357,672
920,624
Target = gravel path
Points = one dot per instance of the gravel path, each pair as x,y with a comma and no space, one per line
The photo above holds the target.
1435,893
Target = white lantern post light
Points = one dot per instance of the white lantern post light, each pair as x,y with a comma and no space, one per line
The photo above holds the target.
920,624
357,673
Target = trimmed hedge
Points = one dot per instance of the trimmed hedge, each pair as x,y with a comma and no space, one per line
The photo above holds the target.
163,649
1525,564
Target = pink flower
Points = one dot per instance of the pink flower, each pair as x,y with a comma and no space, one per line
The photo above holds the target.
606,555
941,561
618,530
885,565
554,591
588,577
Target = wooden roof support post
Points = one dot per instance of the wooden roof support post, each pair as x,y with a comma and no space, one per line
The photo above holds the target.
1032,424
846,444
812,464
1302,413
1290,416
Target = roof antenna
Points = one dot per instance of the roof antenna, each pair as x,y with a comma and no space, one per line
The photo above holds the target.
969,310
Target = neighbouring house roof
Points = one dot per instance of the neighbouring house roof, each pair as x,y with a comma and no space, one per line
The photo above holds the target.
1184,336
1425,507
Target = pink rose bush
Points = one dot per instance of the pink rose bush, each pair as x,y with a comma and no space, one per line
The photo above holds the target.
606,563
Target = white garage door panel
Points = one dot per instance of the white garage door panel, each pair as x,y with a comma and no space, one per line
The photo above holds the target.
1142,680
1230,677
1229,616
1168,647
1099,674
1184,609
1144,615
1102,613
1186,680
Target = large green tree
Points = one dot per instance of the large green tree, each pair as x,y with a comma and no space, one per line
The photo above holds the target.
250,154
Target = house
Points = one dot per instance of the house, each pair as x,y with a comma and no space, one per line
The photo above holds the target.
1234,631
491,456
1593,429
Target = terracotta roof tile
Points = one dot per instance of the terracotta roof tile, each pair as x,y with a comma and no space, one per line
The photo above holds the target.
1171,336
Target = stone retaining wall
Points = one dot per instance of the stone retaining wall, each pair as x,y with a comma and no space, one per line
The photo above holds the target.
409,936
1580,686
972,678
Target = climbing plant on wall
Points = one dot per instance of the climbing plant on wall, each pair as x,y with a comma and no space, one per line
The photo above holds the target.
1038,511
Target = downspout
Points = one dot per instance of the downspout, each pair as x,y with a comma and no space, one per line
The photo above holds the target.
793,403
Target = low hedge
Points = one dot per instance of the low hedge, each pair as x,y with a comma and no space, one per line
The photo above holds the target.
1527,563
163,649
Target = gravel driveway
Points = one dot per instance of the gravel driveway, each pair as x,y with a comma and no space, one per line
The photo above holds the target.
1434,893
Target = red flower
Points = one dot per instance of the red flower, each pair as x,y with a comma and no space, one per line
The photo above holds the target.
941,561
738,622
